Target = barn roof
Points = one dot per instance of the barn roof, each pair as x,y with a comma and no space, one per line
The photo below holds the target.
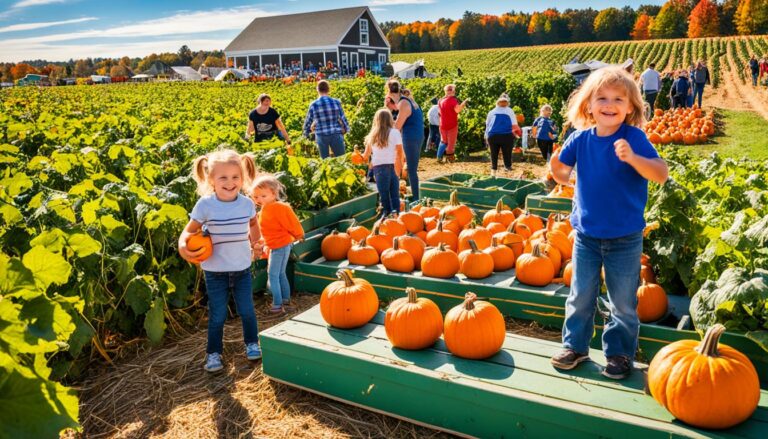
309,29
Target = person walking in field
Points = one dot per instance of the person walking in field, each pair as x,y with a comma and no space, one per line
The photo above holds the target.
264,121
679,90
410,123
501,129
764,70
614,161
700,79
754,69
650,81
545,131
229,217
433,117
330,122
449,109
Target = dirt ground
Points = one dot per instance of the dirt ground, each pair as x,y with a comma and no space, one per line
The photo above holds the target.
532,166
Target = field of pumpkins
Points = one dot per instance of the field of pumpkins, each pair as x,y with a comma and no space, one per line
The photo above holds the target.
689,126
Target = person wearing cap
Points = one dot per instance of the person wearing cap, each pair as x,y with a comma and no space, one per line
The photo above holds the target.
433,117
501,129
264,121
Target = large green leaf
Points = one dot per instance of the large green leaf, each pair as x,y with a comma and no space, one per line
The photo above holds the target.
83,245
47,267
138,294
168,213
14,276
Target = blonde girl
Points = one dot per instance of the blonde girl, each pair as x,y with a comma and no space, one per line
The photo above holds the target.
384,145
615,161
280,228
229,217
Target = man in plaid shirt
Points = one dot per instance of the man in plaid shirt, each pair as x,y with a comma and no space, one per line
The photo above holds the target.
330,123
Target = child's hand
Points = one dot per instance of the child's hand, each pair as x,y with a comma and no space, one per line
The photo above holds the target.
187,254
623,150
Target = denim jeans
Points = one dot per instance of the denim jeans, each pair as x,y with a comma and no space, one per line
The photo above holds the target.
389,188
689,101
621,257
219,285
334,141
278,280
698,92
754,79
434,135
650,97
412,149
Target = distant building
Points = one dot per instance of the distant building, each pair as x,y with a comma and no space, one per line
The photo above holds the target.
350,38
34,79
101,79
186,73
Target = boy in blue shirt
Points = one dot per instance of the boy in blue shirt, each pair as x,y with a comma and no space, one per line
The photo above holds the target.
545,132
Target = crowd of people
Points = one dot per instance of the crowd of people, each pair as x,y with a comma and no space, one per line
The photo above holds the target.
686,85
758,70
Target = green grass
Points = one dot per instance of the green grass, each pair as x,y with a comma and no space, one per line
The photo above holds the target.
743,135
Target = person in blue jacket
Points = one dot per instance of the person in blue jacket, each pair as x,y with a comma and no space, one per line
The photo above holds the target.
544,131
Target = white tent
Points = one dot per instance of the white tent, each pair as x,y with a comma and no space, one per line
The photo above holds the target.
404,70
187,73
238,73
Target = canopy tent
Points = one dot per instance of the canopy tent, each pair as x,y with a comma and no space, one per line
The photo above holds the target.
580,71
187,73
404,70
238,74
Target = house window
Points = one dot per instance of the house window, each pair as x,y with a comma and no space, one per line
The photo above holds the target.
382,59
363,32
344,61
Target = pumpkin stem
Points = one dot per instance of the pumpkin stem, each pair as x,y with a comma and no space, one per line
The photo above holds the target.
395,244
411,292
499,206
454,200
440,225
375,228
362,243
441,246
473,246
538,251
346,276
494,241
708,345
335,232
469,301
512,225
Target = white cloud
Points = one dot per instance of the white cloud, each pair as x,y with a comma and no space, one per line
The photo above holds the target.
28,3
400,2
31,26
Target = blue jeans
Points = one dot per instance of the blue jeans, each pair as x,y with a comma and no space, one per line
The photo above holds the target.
698,91
434,135
389,188
621,257
754,79
218,286
412,148
278,280
334,141
689,101
650,97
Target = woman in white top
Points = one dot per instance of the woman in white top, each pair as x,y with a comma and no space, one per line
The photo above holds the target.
385,145
501,130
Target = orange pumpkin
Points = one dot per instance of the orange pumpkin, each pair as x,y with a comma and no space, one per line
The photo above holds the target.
335,246
652,302
533,222
503,256
348,302
435,237
474,329
412,322
707,385
475,264
646,274
480,235
363,254
397,259
356,157
357,231
378,240
392,226
498,215
414,246
534,268
462,213
440,262
511,240
413,221
568,273
427,210
200,241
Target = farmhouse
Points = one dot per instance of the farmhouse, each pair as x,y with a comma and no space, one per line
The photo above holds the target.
349,38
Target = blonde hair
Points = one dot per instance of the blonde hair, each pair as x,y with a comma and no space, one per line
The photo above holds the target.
614,76
545,107
203,167
382,123
269,181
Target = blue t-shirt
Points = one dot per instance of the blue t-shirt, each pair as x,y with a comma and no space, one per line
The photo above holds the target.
610,195
228,224
544,127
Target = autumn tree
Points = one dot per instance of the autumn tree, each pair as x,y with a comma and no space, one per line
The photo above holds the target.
5,72
119,70
83,68
214,61
607,25
641,30
581,24
751,17
21,70
672,20
726,11
704,21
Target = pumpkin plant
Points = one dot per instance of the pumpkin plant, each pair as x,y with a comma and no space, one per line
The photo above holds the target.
474,329
413,322
348,302
440,262
335,246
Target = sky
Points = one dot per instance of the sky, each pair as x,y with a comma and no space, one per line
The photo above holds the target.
59,30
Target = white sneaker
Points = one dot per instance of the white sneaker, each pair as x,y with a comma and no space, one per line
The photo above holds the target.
493,173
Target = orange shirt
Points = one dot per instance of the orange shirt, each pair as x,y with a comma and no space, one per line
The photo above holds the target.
279,225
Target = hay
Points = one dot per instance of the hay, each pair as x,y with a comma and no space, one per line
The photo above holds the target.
165,392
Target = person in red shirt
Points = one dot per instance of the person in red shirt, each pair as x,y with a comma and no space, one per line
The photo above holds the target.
449,109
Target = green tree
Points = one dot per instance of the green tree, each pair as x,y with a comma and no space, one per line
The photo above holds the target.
581,24
751,17
672,20
726,10
214,61
185,55
607,25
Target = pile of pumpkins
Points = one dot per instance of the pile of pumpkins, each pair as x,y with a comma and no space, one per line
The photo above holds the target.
447,241
474,329
689,126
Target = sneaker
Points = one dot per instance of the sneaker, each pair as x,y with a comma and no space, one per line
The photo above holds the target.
568,359
213,362
508,169
493,173
253,351
288,306
276,309
440,160
618,367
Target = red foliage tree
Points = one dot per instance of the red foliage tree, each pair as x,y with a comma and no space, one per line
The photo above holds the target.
704,20
641,30
20,70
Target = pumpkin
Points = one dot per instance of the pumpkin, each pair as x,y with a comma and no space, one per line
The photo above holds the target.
397,259
474,329
568,273
200,241
547,248
495,228
357,232
378,240
498,215
413,221
414,246
435,237
646,274
511,240
392,226
520,119
475,264
645,259
559,240
427,210
533,222
559,221
651,302
363,254
480,235
503,256
460,212
520,229
412,322
356,157
705,384
348,302
534,268
440,262
451,224
335,246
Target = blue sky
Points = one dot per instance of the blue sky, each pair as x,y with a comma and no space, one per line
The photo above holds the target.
58,30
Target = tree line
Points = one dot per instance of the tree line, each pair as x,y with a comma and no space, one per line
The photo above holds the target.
674,19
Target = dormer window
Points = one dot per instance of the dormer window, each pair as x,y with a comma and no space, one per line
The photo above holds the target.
363,32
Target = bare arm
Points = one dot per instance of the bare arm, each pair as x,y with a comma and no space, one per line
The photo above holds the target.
250,130
399,159
404,110
254,235
560,171
367,153
192,227
282,129
459,108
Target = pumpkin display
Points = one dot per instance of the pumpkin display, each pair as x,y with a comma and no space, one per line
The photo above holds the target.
480,235
680,126
707,385
413,221
474,263
440,262
363,254
335,246
348,302
495,228
498,214
413,322
462,213
474,329
392,226
534,268
427,210
503,256
378,240
652,302
533,222
397,259
511,240
200,241
357,231
414,246
435,237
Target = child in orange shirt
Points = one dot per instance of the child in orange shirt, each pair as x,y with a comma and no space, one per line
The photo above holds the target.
279,229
